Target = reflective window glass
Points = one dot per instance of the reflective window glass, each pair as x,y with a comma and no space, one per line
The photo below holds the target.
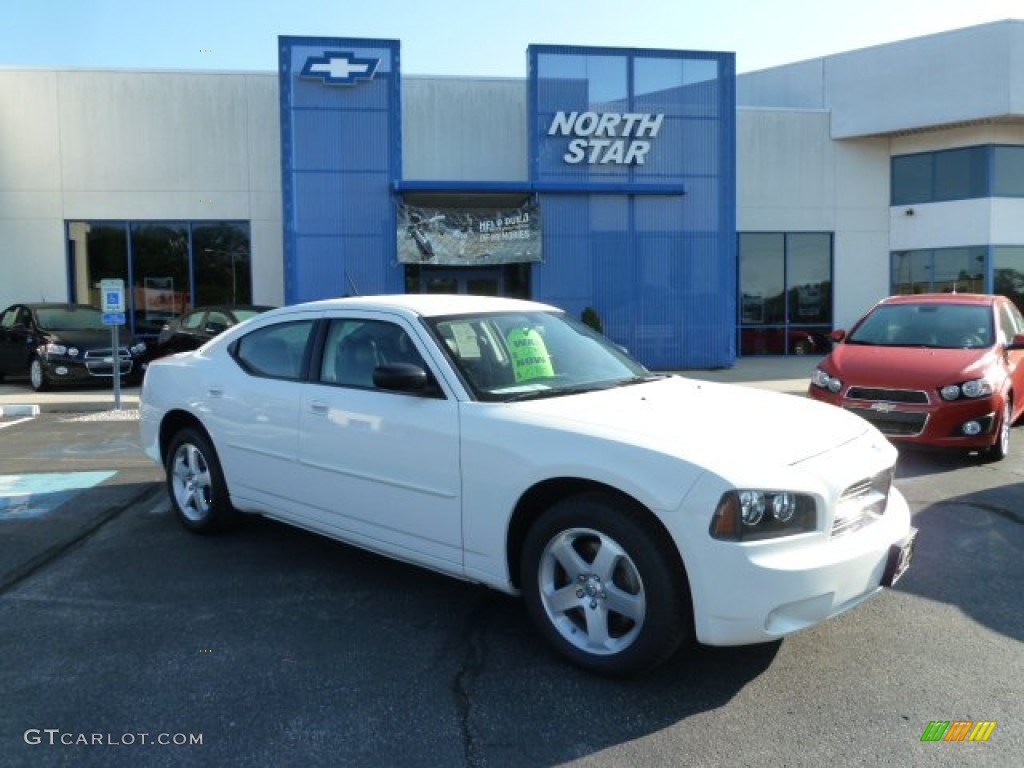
1008,273
160,273
912,179
97,250
222,263
1008,171
961,174
809,277
275,351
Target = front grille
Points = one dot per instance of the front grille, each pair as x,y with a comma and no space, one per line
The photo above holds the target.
97,365
896,423
862,503
880,395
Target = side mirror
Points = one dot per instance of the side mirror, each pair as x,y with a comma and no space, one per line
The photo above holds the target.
1017,343
215,328
400,377
837,335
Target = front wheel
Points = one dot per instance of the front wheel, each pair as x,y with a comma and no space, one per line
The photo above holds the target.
37,375
604,586
1001,448
195,483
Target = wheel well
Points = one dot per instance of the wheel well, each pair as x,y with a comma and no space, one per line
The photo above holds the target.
173,423
540,497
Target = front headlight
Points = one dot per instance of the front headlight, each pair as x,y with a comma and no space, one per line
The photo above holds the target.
826,381
970,389
746,515
138,349
55,349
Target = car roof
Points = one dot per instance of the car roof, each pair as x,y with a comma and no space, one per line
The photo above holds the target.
428,304
230,308
34,305
943,298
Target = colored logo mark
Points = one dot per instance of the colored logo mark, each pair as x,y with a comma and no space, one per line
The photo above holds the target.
339,68
958,730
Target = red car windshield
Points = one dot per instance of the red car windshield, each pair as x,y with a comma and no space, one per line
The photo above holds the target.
939,326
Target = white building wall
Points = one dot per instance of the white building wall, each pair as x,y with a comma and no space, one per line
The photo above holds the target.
964,75
79,144
464,130
793,178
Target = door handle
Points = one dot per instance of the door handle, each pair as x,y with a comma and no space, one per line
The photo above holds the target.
215,391
319,406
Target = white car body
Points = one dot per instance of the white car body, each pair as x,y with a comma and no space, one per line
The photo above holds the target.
437,481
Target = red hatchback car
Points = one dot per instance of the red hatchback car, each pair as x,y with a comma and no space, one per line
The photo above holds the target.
942,370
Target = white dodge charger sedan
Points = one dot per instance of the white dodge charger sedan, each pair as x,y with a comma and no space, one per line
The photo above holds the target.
503,442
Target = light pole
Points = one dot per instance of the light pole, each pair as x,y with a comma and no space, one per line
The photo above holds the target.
233,256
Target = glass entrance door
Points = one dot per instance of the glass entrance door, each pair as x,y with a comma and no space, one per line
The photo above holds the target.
479,282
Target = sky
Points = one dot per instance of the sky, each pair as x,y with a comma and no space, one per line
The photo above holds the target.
482,38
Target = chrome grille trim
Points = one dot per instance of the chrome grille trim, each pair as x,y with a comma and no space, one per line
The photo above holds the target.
96,364
862,503
883,395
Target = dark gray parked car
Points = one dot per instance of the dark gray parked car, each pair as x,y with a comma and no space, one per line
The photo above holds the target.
64,344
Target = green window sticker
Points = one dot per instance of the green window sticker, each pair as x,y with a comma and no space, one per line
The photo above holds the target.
530,358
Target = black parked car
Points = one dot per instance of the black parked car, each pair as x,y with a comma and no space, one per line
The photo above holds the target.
197,326
64,343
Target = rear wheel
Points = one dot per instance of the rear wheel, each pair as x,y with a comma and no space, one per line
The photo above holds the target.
604,586
195,483
37,375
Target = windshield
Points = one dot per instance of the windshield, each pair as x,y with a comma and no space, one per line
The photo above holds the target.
939,326
521,355
70,319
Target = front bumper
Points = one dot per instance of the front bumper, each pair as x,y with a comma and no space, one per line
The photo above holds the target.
79,370
939,424
756,592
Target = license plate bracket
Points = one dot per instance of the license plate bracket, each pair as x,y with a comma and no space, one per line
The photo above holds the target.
900,556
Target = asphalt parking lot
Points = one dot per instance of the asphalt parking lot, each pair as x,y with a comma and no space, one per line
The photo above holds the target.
271,646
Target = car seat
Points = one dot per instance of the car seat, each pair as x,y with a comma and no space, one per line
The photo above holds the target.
355,362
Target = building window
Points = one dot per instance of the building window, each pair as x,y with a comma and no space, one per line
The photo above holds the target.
958,174
168,267
785,292
939,270
1008,272
1008,172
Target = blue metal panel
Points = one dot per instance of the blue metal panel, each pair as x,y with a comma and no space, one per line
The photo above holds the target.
660,270
341,266
344,204
340,156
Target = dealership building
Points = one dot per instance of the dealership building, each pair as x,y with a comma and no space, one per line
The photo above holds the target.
703,215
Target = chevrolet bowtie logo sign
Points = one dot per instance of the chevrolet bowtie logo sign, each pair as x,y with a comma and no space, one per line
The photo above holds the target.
339,68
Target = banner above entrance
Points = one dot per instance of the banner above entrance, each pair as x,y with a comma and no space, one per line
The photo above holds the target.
468,236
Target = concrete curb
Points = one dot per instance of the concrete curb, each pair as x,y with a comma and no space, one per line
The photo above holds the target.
18,409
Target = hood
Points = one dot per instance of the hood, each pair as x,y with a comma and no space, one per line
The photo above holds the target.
704,422
907,367
89,339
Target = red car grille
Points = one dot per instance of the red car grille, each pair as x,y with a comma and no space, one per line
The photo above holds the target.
879,395
896,423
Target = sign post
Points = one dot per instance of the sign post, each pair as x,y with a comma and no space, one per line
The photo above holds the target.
112,301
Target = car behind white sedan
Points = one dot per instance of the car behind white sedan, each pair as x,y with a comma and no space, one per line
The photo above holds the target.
503,442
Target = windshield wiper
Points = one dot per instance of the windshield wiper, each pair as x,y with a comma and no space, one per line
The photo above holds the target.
538,394
641,379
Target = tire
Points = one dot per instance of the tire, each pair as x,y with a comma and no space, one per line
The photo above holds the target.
37,375
1000,449
195,484
571,555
